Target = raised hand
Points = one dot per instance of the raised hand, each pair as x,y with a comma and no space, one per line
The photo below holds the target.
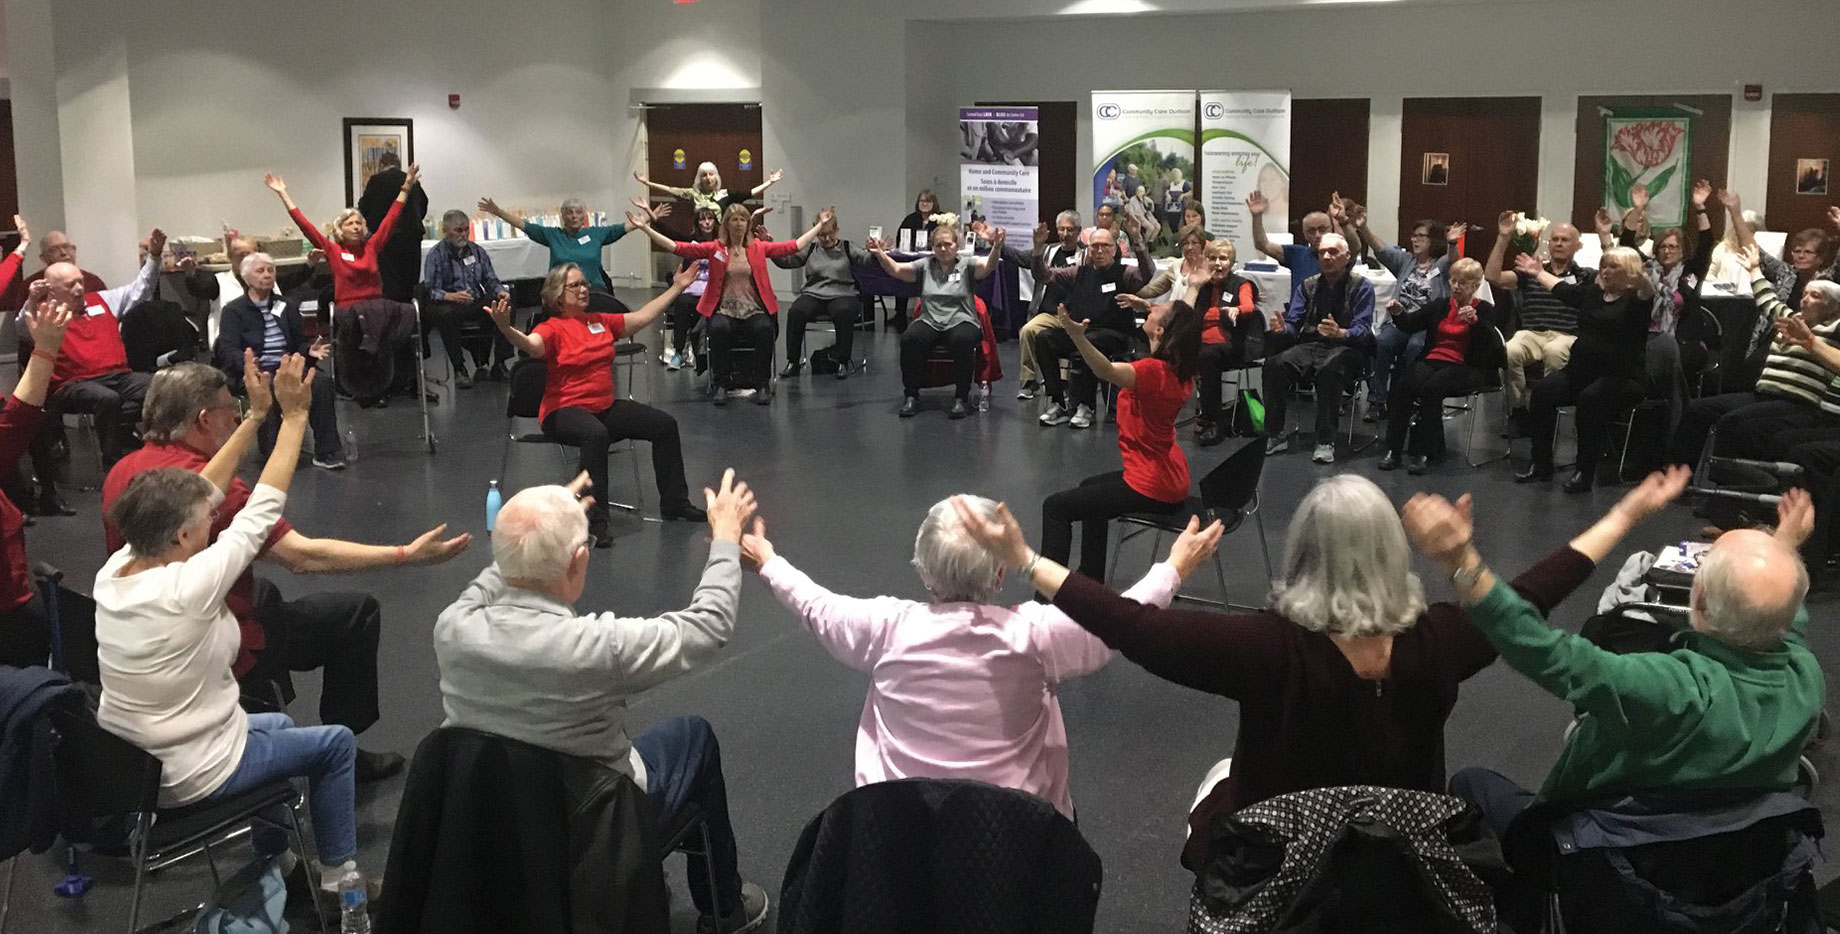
500,312
640,178
1526,264
1750,256
826,214
1730,200
46,322
684,276
156,243
489,206
275,183
1833,217
1040,233
580,487
1338,211
1504,223
774,176
412,175
756,550
1702,190
1793,330
1602,221
634,221
1357,213
1654,492
1194,546
256,387
645,210
1454,231
430,548
293,386
730,506
1000,534
1440,529
997,235
25,236
1255,204
1638,196
1072,327
1794,518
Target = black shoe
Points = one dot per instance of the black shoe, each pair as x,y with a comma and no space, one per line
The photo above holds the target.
1389,460
721,396
763,397
685,511
1417,464
49,504
1534,474
1211,435
1580,482
910,407
792,369
462,379
843,372
959,409
376,766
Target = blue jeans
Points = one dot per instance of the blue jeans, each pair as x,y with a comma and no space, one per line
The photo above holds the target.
1393,349
1498,797
683,766
323,755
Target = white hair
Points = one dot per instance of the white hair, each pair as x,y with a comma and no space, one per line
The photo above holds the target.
1827,290
1347,571
1072,217
248,264
1332,239
573,204
1729,609
952,566
537,533
698,182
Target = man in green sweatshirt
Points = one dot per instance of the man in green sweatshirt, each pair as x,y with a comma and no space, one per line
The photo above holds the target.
1731,706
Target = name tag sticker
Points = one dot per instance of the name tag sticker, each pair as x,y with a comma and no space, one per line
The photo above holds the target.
1108,288
311,304
95,310
952,279
278,308
583,239
469,261
347,257
597,328
721,257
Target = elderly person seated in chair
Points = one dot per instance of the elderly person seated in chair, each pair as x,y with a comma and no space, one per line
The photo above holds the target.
458,282
167,639
1732,706
260,321
961,688
580,407
1323,341
518,660
948,311
1092,292
1345,679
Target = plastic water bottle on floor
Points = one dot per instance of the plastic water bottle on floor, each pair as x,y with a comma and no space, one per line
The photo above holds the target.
983,403
351,446
354,914
494,499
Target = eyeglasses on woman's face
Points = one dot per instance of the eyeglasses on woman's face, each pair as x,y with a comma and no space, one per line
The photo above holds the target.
575,285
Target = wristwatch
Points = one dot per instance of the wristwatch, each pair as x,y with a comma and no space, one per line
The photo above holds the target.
1466,577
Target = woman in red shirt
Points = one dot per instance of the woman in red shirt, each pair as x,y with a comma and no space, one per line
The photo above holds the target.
1155,474
579,405
1461,349
1229,322
741,307
353,257
25,633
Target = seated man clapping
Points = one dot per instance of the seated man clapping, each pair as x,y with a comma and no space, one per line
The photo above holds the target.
1732,707
518,661
961,688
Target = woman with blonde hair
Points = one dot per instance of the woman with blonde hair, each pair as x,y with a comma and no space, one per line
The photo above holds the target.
1347,676
350,246
1607,372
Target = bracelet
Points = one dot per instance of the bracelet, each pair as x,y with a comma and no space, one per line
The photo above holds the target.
1028,568
46,356
400,557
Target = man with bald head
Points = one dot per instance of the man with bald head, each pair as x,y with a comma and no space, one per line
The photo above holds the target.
92,373
1299,258
1731,706
54,248
1091,292
1548,326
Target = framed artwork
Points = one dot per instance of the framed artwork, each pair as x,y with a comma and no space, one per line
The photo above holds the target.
366,141
1436,170
1811,176
1653,149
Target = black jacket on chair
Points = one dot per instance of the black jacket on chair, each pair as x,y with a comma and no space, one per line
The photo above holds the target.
494,835
924,855
241,327
29,810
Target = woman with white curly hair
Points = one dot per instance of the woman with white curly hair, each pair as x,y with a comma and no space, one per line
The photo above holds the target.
961,688
1346,678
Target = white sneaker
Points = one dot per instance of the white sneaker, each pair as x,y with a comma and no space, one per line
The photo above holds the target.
1083,417
1277,446
675,362
1325,454
1026,392
1055,416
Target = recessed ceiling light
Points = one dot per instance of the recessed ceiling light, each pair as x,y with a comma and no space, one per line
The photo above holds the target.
1103,7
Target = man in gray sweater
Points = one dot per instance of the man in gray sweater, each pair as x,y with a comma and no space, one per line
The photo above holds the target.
517,661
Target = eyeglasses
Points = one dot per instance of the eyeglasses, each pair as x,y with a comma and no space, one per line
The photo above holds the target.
576,285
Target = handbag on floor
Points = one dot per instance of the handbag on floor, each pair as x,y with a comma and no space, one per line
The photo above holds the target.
250,902
1249,415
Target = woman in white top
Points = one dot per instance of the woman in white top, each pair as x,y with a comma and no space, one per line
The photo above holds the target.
1179,278
166,640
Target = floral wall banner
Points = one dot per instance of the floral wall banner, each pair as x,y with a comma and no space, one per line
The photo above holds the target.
1653,149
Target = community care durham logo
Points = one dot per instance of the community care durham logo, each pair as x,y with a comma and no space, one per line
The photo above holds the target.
1110,111
1214,110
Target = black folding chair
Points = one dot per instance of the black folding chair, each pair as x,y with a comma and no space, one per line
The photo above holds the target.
1229,493
524,400
626,353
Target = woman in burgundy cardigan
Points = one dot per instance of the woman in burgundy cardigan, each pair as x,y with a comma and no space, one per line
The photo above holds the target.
739,307
25,633
1348,676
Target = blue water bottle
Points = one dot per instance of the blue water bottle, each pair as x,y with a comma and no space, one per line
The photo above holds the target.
493,500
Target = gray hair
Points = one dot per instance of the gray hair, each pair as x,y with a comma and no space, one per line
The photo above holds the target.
1332,239
455,214
574,204
176,396
158,504
952,566
243,268
1347,571
537,533
1730,610
1070,216
1827,292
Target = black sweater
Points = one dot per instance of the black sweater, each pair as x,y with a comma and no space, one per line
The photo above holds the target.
1612,334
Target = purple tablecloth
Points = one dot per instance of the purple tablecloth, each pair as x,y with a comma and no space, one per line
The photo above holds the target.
999,292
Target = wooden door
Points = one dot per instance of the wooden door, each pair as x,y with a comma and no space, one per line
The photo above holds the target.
1468,159
1328,154
1804,152
1056,124
1709,157
725,134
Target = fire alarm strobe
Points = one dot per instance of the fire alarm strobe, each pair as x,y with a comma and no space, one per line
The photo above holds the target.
453,102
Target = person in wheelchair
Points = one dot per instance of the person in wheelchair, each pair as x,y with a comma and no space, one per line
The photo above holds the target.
580,407
260,321
1732,707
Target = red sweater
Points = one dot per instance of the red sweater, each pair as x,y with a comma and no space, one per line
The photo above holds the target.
758,252
18,424
354,270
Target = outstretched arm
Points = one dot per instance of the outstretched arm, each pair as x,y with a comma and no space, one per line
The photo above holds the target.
1734,215
491,207
661,189
1118,374
906,272
500,313
1493,270
773,178
1255,205
988,263
824,216
637,321
635,222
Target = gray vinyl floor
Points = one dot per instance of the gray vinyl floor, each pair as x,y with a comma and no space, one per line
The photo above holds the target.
843,484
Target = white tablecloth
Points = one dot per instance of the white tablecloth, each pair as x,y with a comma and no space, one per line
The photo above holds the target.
1275,285
519,258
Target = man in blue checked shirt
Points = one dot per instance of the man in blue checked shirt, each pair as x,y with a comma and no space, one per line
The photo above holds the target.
457,284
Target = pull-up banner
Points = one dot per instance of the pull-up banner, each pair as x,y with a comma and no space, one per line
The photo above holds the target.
1143,153
1245,147
999,169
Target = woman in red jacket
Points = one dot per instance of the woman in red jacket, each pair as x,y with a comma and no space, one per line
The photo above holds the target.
25,634
353,257
739,307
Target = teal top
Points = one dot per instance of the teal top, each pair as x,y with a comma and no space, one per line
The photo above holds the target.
1703,715
583,249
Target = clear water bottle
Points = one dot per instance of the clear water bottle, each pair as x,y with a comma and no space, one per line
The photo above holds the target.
354,914
351,446
983,397
494,499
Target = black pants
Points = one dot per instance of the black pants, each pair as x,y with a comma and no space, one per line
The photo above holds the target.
1215,360
1053,345
1818,453
335,633
842,314
756,332
1422,387
1751,425
322,417
1599,398
682,315
25,635
446,318
1330,368
918,341
592,432
1094,503
900,314
114,400
1498,797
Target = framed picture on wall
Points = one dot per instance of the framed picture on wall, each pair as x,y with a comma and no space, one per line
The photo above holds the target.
367,139
1811,176
1436,170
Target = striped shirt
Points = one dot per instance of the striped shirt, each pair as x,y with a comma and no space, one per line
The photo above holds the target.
1542,311
1791,371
